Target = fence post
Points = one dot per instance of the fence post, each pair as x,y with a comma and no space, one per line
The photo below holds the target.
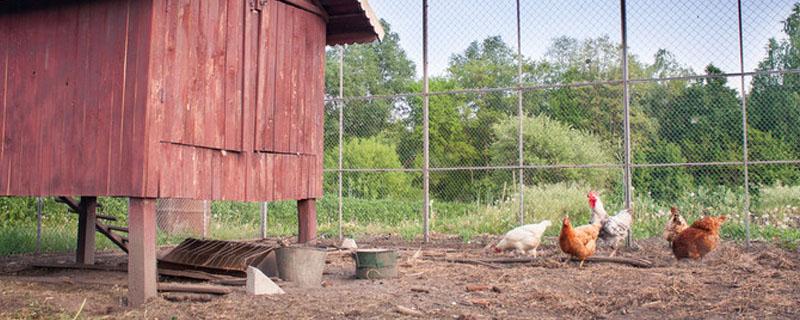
425,129
39,208
341,134
626,100
264,221
520,124
206,216
745,158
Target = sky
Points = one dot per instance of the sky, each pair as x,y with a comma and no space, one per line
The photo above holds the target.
697,32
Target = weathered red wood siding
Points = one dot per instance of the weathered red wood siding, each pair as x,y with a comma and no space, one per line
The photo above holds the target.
252,131
74,78
162,98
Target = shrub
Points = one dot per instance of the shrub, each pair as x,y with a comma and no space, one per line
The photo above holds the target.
363,153
547,141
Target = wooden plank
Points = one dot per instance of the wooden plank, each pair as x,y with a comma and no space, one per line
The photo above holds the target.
98,267
205,173
269,181
283,94
261,76
118,240
22,122
192,68
309,6
5,53
234,79
156,104
217,175
252,43
175,38
86,230
129,170
192,274
307,221
105,45
299,86
217,76
272,71
194,288
294,113
142,251
278,177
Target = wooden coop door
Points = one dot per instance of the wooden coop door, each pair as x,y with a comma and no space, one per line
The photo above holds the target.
203,73
289,106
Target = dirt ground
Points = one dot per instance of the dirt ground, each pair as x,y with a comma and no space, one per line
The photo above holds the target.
762,282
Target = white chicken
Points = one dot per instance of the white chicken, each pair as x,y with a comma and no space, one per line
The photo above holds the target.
523,239
614,228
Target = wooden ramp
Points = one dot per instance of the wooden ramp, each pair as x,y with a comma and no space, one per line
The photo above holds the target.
215,256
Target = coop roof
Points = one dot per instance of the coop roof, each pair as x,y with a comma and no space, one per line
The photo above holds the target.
351,21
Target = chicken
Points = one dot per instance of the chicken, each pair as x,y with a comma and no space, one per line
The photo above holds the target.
615,228
524,239
579,242
675,225
699,239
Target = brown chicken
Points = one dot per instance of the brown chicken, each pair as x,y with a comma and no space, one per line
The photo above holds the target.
579,242
675,225
699,239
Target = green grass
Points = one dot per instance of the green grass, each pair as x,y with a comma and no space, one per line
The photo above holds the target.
775,217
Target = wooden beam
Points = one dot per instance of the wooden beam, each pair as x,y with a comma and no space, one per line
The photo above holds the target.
86,232
307,221
308,5
193,288
116,228
142,251
70,202
115,238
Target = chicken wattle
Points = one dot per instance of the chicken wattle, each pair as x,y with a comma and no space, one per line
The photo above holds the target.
615,228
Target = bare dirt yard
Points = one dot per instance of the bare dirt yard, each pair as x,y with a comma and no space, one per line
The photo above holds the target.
732,282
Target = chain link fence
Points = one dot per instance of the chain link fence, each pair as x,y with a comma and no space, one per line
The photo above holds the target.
495,115
474,117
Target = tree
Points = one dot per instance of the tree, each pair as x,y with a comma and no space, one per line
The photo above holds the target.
378,68
705,121
548,142
665,184
774,98
370,153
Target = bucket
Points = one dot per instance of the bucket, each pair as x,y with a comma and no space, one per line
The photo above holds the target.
301,265
375,263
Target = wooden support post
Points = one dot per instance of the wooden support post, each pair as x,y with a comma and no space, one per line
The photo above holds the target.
141,251
307,221
87,210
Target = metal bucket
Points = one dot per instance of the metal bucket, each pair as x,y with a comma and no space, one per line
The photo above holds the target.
301,265
375,263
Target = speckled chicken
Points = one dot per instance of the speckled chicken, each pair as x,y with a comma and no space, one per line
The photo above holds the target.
580,242
614,229
675,225
699,239
523,239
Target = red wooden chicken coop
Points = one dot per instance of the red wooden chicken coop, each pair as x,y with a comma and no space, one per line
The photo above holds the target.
147,99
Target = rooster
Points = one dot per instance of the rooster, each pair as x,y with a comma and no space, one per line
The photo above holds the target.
615,228
524,239
579,242
675,225
699,239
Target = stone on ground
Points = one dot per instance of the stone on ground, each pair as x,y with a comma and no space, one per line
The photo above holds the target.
258,283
